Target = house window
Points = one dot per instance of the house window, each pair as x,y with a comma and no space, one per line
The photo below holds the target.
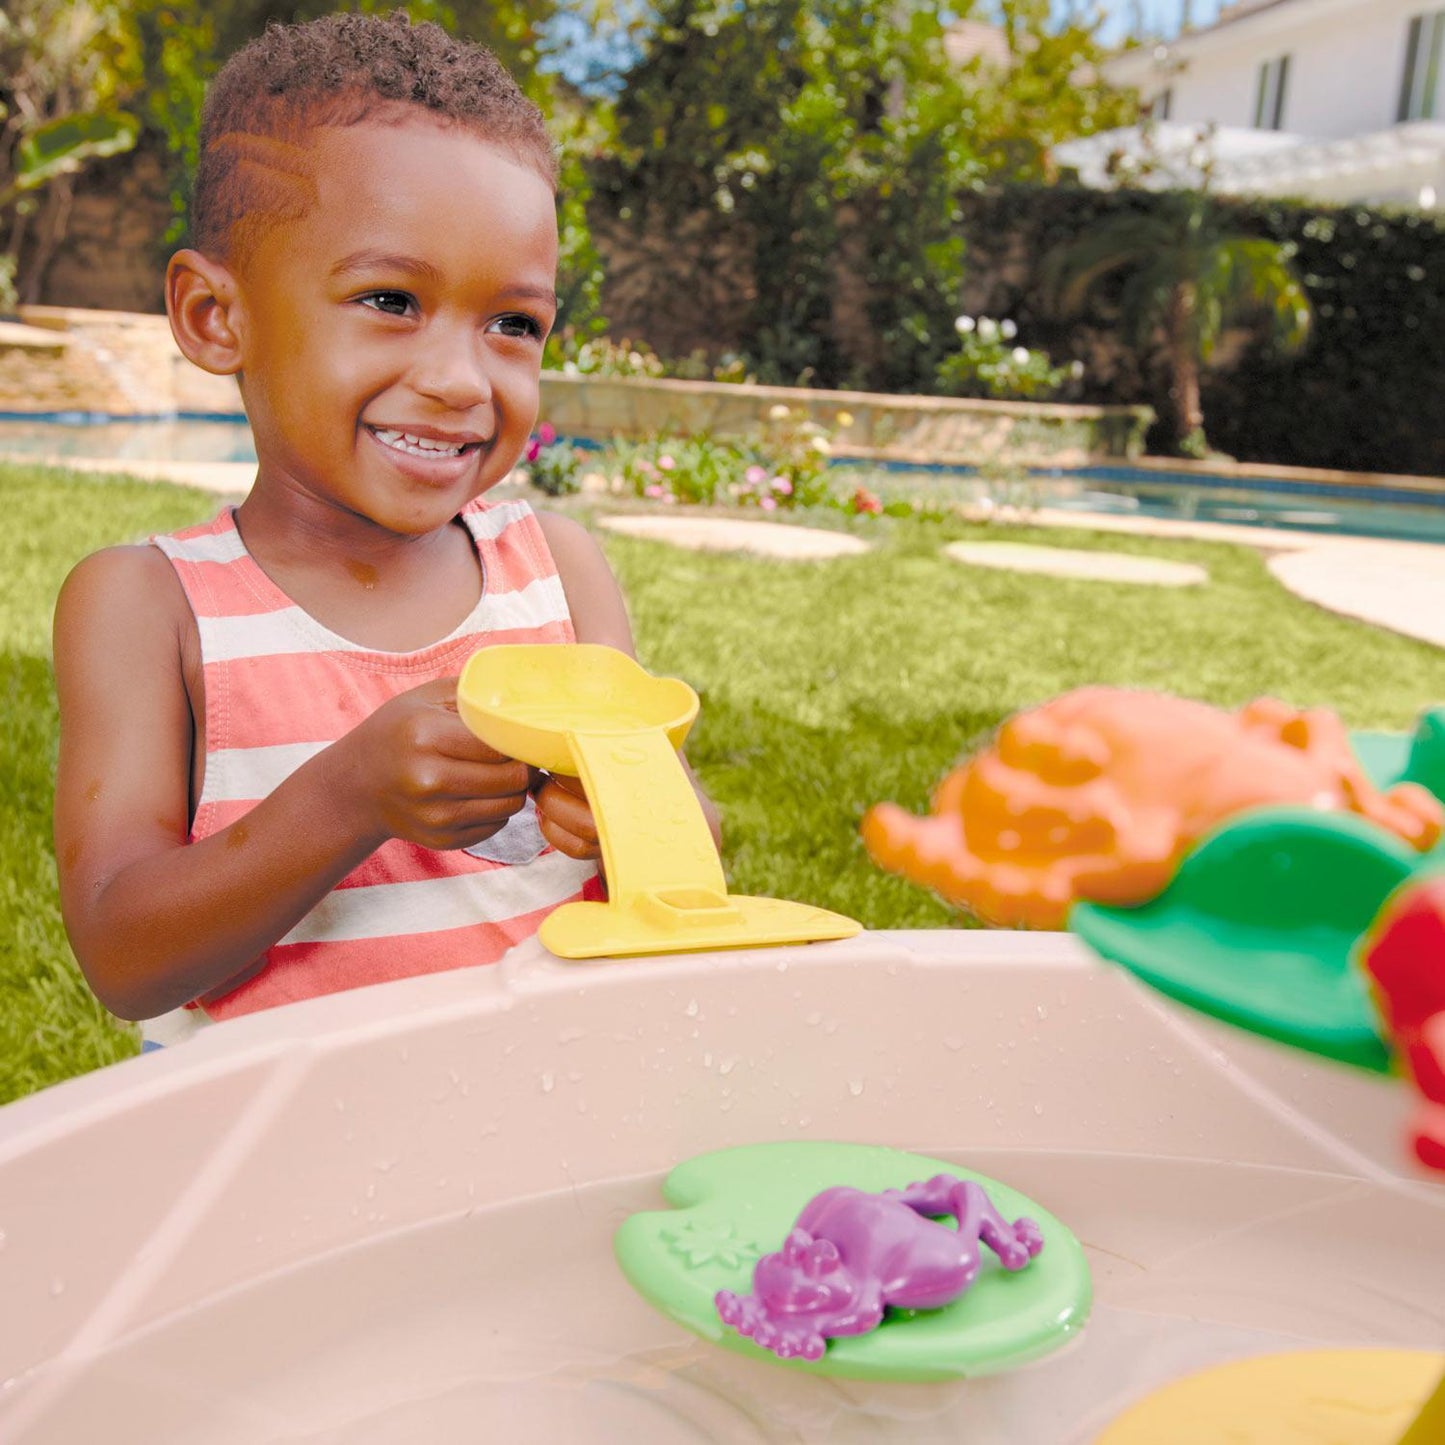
1162,104
1422,66
1269,94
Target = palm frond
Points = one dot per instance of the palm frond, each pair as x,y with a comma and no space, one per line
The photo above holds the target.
1070,271
1145,299
1262,279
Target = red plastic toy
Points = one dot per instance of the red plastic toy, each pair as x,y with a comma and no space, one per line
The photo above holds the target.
1404,955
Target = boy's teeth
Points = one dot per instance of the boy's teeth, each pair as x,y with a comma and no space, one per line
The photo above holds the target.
404,441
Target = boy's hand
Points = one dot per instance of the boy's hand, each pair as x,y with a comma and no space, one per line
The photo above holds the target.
427,778
565,817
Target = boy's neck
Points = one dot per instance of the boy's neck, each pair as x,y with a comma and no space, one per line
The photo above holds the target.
379,589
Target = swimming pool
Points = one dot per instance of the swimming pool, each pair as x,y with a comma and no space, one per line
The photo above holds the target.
1283,502
188,437
1276,502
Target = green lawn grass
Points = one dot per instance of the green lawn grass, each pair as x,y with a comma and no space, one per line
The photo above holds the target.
826,687
50,1025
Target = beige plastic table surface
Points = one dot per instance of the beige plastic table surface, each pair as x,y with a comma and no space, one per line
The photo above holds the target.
386,1216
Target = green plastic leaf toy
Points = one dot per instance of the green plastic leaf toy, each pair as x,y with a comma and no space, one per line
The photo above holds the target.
732,1207
1260,924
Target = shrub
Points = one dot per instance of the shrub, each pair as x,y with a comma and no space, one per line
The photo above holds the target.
697,365
553,466
784,470
1362,394
797,449
695,470
601,356
991,363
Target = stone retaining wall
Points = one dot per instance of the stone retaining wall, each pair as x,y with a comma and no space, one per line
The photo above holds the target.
121,363
907,428
127,364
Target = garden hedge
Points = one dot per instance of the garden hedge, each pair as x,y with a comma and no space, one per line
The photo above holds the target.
1364,395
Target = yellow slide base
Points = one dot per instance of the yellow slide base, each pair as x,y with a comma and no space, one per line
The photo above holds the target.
1310,1397
659,923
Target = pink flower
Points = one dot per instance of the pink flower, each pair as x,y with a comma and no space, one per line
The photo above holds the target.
768,504
783,486
666,463
547,433
655,490
534,449
755,475
864,501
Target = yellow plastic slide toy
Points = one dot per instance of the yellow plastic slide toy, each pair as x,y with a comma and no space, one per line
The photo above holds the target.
594,713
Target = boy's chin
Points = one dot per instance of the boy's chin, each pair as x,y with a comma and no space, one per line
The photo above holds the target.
413,514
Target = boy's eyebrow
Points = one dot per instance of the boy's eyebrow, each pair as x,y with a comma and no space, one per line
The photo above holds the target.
385,261
544,294
361,261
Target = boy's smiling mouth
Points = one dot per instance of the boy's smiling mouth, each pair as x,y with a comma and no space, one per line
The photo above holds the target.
425,443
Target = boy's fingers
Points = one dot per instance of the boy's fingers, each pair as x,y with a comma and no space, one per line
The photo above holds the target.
565,842
567,783
505,779
567,811
457,740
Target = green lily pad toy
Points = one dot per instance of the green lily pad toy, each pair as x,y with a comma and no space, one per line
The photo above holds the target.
839,1259
1260,925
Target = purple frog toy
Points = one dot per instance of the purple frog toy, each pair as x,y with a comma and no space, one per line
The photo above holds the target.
851,1254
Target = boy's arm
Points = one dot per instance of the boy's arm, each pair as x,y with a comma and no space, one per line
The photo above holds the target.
155,922
599,614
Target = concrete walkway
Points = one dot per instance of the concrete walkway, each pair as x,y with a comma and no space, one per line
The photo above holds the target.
1398,585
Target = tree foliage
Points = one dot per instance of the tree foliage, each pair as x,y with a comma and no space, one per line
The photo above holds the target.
62,70
822,137
1186,273
178,45
1051,92
839,133
1360,396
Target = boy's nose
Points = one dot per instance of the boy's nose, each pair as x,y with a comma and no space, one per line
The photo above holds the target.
452,369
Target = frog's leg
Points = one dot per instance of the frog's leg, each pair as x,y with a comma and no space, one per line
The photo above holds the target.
1015,1244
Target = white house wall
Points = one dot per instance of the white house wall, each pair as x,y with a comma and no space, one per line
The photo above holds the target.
1347,58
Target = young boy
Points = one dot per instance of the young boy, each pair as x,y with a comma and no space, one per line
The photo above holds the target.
264,790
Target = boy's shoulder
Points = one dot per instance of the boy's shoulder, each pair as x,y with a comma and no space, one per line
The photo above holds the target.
572,546
135,580
121,566
594,599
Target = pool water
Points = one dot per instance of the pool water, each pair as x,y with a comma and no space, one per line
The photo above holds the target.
1402,513
1283,502
199,437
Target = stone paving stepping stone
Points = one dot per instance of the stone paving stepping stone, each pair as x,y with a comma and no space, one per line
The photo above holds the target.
725,534
1066,562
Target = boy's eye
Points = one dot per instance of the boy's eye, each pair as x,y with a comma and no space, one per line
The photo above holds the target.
518,325
392,303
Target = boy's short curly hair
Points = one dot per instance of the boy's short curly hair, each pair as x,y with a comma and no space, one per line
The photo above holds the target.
337,71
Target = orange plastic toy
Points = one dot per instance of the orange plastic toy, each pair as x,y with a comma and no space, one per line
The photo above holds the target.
1099,794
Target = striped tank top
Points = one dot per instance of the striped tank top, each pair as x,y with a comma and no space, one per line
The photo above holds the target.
280,687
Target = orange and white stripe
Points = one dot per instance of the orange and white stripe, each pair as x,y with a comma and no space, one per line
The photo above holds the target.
280,687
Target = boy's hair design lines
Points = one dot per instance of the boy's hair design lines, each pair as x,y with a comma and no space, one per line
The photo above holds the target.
339,70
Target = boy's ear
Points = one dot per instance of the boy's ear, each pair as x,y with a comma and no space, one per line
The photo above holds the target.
202,301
